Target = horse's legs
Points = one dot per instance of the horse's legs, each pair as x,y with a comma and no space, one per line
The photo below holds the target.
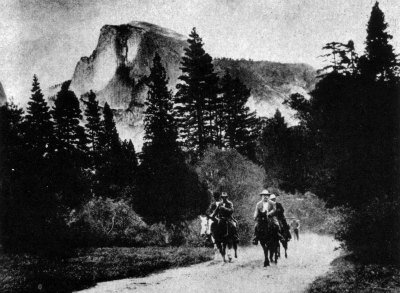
220,248
229,244
265,249
278,251
285,246
235,248
273,247
223,251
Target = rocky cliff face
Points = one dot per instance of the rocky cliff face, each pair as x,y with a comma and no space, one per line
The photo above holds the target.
3,97
124,54
114,70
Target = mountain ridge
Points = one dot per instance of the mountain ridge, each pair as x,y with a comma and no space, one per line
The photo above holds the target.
123,57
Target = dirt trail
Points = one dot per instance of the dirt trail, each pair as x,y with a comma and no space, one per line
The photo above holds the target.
307,259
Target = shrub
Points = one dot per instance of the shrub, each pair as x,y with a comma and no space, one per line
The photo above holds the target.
312,212
372,232
108,222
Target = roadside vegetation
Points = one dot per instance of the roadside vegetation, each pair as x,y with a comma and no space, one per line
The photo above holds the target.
28,273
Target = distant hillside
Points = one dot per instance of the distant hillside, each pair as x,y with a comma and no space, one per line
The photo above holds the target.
270,82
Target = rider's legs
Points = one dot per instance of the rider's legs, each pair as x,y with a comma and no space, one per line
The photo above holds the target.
278,228
255,235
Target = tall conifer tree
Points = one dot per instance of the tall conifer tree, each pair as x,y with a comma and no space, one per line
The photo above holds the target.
39,127
163,177
70,146
196,97
109,135
241,126
67,115
93,127
110,175
380,63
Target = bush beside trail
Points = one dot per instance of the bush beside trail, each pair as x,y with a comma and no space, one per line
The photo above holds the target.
27,273
348,275
312,212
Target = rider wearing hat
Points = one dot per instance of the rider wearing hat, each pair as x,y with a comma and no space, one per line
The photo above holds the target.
267,206
280,215
224,211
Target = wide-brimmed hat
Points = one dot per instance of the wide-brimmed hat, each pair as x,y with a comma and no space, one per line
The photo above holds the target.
224,194
272,196
265,192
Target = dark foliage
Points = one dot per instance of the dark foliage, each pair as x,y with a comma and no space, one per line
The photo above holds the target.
168,190
240,127
93,129
109,174
194,101
31,215
353,120
70,149
28,274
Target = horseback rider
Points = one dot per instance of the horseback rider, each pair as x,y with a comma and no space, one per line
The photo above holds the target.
212,210
265,205
280,214
224,212
214,205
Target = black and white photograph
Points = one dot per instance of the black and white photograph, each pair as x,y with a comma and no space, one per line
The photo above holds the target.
190,146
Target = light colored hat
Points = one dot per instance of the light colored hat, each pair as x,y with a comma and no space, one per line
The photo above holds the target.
273,196
224,194
265,192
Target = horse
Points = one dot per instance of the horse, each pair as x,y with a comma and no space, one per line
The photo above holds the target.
205,232
223,235
269,240
284,243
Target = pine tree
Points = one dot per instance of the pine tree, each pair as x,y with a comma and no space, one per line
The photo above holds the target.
130,162
39,127
67,115
93,127
71,151
196,96
242,126
12,160
111,171
164,180
109,135
30,219
380,62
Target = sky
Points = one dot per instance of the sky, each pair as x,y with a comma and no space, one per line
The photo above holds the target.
48,37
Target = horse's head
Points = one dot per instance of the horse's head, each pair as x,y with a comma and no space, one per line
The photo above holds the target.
263,216
205,223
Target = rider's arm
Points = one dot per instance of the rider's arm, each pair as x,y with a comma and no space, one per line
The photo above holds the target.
256,213
227,208
273,211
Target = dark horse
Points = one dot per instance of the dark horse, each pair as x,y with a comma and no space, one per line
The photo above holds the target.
223,234
269,240
284,243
